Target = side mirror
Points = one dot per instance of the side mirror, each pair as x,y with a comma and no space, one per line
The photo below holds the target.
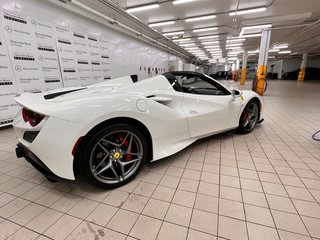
235,93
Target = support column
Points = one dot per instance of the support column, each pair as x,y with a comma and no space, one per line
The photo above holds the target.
244,68
236,75
302,72
261,84
233,69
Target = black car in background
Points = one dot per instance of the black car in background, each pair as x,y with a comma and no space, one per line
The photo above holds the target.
221,75
311,74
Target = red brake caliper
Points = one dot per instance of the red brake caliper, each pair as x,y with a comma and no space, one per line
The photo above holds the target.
125,144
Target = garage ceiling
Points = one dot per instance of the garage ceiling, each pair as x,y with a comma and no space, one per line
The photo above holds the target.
284,16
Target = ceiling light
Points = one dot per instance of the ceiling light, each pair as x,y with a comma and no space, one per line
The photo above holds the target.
234,44
281,46
182,1
206,43
212,47
187,45
274,50
205,29
173,33
181,40
193,19
161,23
228,47
272,57
257,27
285,52
141,8
235,40
192,48
248,35
253,52
208,37
254,10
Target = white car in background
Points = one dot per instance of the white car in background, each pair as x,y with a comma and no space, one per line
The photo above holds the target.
107,131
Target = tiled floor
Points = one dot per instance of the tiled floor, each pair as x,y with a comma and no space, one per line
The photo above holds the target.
264,185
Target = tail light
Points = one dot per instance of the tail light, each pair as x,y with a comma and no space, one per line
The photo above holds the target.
32,117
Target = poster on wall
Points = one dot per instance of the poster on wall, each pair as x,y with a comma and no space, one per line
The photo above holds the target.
22,51
83,58
8,85
95,58
105,59
67,56
46,54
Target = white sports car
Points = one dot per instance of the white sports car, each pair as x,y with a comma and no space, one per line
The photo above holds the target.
107,131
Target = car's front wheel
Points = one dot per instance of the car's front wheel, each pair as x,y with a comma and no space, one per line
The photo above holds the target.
249,117
114,155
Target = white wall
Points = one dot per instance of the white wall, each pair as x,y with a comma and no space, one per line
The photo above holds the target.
127,54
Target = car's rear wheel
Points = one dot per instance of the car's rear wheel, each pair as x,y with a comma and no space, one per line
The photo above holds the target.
114,155
249,117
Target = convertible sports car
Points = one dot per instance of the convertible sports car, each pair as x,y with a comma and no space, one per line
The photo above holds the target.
107,131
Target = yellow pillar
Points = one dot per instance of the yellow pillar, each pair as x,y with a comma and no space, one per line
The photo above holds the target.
302,72
260,84
244,68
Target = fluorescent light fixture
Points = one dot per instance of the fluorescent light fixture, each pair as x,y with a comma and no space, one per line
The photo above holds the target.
272,57
208,43
248,11
232,58
161,23
181,40
212,47
236,52
281,46
173,33
285,52
208,37
187,45
252,35
192,48
194,19
274,50
205,29
142,8
248,36
234,44
257,27
235,40
228,47
253,52
182,1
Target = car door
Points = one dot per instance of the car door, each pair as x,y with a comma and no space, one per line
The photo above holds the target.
209,107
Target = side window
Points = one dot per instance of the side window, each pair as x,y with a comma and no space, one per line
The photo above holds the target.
196,85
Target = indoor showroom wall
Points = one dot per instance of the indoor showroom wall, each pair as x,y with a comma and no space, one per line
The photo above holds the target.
44,46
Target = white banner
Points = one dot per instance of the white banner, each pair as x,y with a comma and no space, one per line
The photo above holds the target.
67,57
38,56
22,51
47,54
83,58
8,86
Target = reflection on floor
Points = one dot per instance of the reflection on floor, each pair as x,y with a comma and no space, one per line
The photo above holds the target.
264,185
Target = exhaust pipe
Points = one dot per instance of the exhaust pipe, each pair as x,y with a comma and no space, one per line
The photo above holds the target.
19,152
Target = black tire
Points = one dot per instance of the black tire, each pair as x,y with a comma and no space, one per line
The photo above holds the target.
244,128
89,162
